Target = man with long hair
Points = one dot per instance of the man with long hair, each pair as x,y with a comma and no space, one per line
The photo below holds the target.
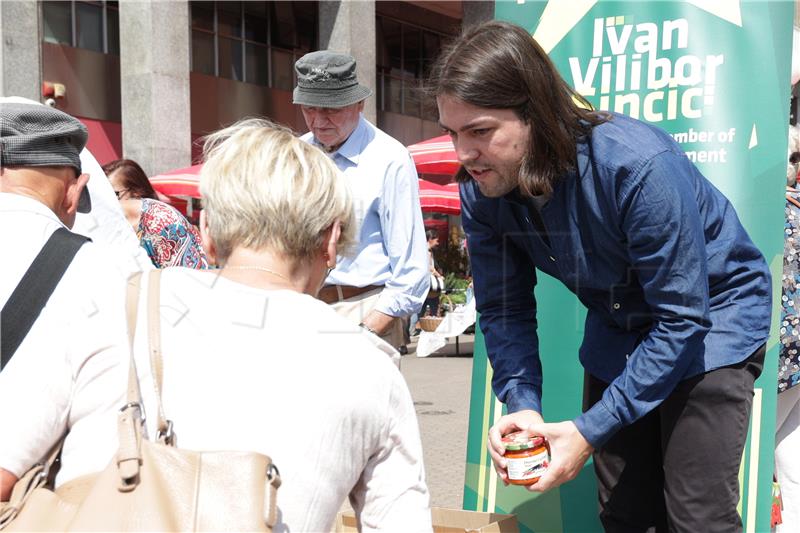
678,296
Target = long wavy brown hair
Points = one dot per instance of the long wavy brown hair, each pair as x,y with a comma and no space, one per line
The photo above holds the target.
498,65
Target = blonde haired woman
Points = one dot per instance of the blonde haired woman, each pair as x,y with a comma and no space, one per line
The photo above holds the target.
253,361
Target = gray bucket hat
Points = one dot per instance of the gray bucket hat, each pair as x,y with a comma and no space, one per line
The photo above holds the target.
328,79
39,136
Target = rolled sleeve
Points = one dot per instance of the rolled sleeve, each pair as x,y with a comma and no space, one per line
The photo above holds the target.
391,494
404,240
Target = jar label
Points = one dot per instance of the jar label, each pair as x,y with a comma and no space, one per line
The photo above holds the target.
528,467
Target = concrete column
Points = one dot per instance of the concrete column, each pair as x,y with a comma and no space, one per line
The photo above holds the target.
20,49
349,26
155,45
476,11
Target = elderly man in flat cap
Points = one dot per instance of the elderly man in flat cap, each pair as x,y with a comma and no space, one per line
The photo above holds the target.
62,324
386,278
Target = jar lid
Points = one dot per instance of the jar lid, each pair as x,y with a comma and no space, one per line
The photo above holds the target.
520,441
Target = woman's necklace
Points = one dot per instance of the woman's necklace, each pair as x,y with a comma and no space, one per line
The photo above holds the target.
254,267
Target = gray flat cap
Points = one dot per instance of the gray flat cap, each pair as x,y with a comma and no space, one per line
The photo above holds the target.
328,79
40,136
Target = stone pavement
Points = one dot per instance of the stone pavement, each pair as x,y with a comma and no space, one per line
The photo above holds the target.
440,387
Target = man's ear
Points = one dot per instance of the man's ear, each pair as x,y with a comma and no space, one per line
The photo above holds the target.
208,242
72,197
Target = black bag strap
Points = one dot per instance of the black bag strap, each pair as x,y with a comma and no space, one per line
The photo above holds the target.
34,289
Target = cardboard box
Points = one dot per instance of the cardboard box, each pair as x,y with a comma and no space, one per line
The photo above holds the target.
448,521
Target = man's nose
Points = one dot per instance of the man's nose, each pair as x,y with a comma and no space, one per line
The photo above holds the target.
465,151
319,119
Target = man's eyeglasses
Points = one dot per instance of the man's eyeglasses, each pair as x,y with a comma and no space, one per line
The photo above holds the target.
326,111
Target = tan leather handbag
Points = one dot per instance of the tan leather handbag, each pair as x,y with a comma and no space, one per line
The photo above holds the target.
150,485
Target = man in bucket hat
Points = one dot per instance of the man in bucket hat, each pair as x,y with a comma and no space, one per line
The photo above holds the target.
62,297
386,278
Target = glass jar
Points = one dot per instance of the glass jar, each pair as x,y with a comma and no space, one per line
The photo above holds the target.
527,458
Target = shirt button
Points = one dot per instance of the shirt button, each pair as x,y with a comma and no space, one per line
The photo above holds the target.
552,258
616,306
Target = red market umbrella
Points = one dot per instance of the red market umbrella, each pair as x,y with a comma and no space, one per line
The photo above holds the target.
180,182
186,182
439,198
435,156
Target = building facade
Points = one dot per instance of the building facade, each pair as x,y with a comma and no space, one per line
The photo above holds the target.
149,78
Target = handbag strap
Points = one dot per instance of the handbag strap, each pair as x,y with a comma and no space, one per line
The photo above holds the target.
130,420
35,288
164,429
134,395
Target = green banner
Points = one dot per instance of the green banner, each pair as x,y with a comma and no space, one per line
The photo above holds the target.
715,74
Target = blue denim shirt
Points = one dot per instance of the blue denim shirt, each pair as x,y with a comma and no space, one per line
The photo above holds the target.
673,285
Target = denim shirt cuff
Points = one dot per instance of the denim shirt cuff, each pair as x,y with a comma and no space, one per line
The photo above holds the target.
523,397
597,425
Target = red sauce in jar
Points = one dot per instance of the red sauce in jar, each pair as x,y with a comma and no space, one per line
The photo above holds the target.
527,458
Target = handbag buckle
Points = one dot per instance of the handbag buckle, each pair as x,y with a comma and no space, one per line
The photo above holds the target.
136,405
167,436
273,473
41,476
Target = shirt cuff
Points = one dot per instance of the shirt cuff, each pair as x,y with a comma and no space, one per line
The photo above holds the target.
597,425
523,397
388,305
398,304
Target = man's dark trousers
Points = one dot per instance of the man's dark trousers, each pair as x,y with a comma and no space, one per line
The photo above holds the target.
676,469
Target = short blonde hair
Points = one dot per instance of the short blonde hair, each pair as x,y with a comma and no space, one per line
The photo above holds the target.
263,187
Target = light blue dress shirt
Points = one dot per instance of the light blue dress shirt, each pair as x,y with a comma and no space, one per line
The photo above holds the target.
391,249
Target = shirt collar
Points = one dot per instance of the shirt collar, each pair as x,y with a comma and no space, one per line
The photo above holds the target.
538,202
17,202
516,197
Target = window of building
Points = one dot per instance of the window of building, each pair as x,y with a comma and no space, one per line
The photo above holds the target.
254,41
404,56
82,24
